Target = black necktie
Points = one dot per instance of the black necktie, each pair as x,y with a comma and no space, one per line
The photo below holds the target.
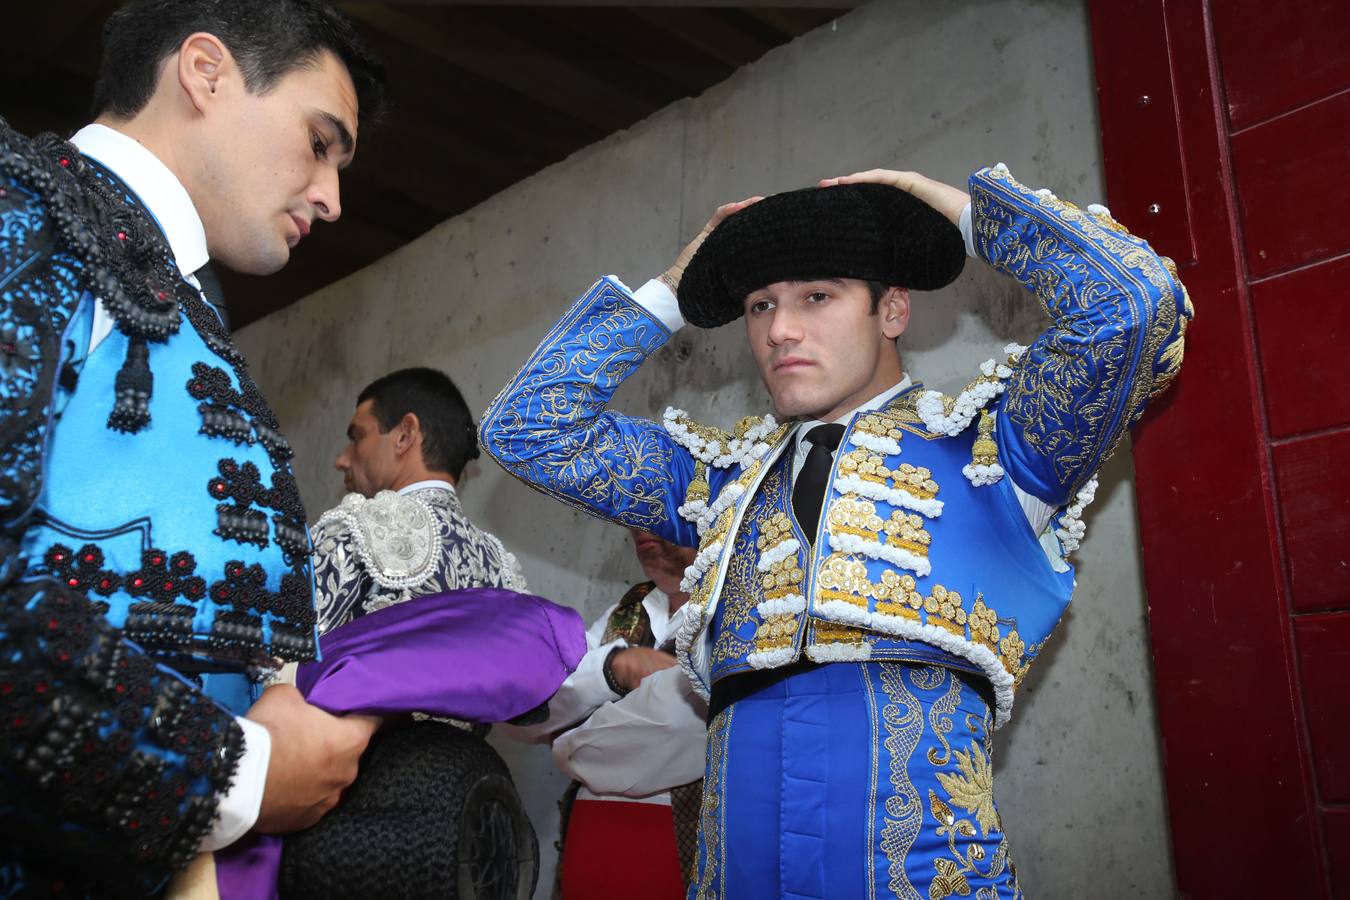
212,291
809,492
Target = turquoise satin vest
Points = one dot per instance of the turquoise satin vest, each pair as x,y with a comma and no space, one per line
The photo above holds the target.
172,500
182,528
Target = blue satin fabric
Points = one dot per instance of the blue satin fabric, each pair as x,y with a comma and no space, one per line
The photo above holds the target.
853,780
234,691
126,493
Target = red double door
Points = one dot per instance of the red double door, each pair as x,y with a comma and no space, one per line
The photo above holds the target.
1226,139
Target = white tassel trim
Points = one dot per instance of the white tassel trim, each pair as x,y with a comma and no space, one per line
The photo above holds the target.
970,401
872,490
694,511
738,451
913,630
777,553
702,561
1071,528
690,630
703,515
851,543
844,613
887,446
982,475
787,605
827,653
770,659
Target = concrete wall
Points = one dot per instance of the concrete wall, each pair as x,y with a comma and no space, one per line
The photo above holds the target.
938,87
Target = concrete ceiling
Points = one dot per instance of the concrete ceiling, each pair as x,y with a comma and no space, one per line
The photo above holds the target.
485,94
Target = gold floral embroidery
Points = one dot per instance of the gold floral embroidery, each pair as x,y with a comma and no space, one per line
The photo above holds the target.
1011,652
616,468
940,714
879,425
902,414
843,577
744,589
971,789
945,611
711,881
903,720
897,595
824,633
949,880
1083,380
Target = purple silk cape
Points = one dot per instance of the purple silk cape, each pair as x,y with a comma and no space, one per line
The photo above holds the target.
480,655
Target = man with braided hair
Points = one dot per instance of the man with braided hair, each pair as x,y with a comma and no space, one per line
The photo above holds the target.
878,564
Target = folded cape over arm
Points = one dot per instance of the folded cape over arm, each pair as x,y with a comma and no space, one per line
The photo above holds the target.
479,655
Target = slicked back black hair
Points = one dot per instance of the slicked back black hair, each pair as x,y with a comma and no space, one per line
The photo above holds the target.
449,437
268,38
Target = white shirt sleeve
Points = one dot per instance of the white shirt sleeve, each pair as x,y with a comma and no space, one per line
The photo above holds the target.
657,298
652,740
1037,511
239,808
582,692
968,231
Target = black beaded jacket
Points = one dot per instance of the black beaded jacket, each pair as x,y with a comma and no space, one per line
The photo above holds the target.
150,528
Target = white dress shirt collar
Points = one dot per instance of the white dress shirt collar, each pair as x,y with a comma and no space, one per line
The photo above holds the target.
157,187
876,402
657,604
424,485
880,400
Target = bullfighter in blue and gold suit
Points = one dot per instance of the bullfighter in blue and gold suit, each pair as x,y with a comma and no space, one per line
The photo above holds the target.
876,574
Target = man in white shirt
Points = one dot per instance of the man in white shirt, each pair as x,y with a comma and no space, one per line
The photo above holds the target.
629,731
401,532
155,555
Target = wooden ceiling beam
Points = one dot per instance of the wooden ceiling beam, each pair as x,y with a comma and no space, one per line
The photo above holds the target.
503,57
792,22
709,32
672,61
485,114
721,4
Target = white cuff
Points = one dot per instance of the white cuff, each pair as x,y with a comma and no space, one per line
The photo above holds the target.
968,232
239,808
657,298
588,681
576,698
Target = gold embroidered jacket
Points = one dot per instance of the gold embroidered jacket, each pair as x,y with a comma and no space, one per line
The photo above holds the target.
922,552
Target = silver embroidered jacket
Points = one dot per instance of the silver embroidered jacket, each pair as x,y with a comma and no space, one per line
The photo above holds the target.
373,553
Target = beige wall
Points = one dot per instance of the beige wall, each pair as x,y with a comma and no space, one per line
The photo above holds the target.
938,87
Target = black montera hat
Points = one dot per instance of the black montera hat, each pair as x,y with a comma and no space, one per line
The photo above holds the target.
873,232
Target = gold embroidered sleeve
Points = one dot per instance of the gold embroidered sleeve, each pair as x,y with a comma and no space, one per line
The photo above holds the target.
1119,317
